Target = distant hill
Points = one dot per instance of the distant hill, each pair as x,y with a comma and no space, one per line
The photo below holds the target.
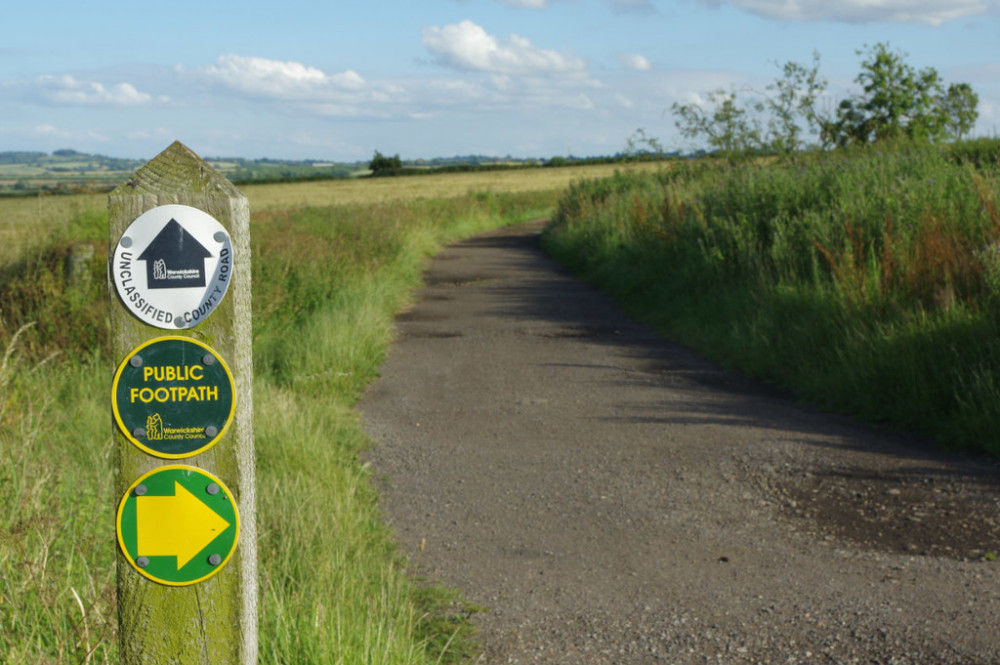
70,171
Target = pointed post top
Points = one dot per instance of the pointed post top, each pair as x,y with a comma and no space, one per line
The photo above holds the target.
177,170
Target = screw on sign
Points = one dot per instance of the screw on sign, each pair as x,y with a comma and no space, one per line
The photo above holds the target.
183,265
173,397
177,525
172,266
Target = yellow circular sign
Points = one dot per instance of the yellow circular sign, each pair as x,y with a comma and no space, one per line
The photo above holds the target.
178,525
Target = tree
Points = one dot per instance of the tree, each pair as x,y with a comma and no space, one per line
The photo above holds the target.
898,101
960,109
727,126
382,165
791,99
640,144
772,121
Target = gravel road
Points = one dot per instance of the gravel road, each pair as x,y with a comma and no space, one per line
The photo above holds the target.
609,497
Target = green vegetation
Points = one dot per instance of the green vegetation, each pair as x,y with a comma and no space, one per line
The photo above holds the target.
30,174
64,171
899,102
71,172
896,102
381,165
865,281
333,587
57,579
56,314
246,171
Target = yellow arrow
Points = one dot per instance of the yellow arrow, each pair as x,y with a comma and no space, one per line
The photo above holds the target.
179,525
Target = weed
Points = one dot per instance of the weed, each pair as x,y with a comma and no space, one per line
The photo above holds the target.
865,281
56,580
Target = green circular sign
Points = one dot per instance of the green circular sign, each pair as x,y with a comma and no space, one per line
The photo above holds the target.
178,525
173,397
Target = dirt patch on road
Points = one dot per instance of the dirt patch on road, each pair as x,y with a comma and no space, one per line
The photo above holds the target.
609,497
926,511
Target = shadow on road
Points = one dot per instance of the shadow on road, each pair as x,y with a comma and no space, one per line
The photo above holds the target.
885,490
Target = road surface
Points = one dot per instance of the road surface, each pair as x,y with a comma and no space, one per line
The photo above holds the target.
609,497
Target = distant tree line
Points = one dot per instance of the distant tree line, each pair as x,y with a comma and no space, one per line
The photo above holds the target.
11,157
59,159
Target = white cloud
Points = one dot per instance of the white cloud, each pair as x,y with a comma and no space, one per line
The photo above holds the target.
276,79
634,61
158,133
53,132
691,97
467,46
931,12
982,71
500,93
526,4
67,90
46,130
306,89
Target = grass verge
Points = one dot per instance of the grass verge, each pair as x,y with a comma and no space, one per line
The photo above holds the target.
867,282
330,281
57,581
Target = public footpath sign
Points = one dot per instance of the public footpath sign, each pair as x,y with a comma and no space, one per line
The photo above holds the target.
172,266
178,525
173,397
182,404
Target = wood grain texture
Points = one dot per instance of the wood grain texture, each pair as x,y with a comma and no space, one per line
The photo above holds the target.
214,621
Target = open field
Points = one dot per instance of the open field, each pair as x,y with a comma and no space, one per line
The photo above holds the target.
445,185
27,221
24,221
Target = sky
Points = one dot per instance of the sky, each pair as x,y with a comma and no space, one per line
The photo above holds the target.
338,80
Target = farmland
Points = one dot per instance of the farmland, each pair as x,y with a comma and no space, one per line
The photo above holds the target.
69,171
24,220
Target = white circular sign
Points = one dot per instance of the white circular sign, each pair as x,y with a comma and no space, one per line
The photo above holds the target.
172,266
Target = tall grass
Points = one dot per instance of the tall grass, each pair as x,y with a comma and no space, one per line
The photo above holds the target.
56,560
865,282
25,221
327,282
67,311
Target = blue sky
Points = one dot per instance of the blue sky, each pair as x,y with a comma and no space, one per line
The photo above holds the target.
334,80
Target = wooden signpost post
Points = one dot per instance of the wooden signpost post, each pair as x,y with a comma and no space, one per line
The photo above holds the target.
182,404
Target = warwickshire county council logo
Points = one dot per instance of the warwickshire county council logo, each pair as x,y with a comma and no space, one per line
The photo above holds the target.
154,427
